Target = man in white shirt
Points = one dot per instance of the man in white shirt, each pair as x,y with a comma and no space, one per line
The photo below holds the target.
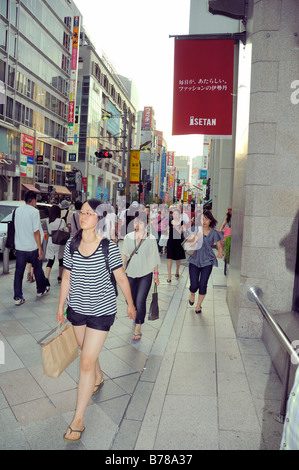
28,247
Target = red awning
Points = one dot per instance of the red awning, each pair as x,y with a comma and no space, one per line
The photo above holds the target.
30,187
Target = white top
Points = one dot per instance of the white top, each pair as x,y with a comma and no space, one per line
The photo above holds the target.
146,258
27,221
108,230
52,249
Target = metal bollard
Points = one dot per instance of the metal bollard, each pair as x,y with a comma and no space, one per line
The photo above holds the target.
5,252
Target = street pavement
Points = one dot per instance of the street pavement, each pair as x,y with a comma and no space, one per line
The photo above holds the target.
189,384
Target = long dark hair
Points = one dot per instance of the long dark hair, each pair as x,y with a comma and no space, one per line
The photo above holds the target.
76,240
210,216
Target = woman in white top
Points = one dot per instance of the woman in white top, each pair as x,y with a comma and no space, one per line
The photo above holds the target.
142,266
54,251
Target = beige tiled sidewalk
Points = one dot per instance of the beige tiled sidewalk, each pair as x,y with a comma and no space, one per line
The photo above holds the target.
190,384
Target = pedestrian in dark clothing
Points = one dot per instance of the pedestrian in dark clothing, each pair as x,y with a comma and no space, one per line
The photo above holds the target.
202,261
28,244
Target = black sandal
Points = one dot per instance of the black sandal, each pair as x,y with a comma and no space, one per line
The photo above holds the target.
73,430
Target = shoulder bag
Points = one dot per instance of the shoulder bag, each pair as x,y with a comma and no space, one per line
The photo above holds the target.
187,246
60,237
133,253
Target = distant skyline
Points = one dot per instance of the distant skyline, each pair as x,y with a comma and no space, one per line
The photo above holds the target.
134,35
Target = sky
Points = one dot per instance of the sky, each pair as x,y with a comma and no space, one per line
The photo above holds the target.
134,35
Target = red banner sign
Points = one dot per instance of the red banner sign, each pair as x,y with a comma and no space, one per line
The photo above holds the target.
203,86
27,145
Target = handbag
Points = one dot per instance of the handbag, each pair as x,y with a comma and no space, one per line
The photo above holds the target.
60,352
153,313
60,237
187,247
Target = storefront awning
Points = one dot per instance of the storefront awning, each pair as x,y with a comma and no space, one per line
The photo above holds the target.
30,187
62,190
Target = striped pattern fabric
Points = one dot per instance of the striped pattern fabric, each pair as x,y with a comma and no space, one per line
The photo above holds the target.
91,291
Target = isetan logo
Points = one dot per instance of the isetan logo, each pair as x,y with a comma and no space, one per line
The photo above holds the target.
202,121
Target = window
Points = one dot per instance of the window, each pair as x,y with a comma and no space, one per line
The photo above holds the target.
4,8
3,35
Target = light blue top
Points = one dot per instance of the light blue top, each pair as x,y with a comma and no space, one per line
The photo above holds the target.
205,256
290,435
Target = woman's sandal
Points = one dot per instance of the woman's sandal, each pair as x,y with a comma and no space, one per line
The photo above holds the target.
198,311
136,337
99,386
73,430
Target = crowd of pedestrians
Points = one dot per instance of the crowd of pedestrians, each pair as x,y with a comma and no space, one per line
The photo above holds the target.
105,248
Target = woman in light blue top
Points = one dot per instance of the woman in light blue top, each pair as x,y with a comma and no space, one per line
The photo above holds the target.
202,261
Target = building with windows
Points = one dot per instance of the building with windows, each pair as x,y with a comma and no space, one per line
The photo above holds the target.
107,122
35,67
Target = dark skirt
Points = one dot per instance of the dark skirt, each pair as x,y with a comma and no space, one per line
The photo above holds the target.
175,250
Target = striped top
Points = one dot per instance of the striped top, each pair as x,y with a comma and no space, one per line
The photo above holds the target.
91,290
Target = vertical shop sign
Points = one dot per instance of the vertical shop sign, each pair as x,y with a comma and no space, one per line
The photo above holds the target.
73,81
135,167
147,117
203,87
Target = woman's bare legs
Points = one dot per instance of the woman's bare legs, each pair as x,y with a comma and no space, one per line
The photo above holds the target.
199,301
169,264
178,263
91,342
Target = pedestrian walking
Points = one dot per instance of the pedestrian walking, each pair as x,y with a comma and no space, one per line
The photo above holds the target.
175,251
88,290
141,260
55,222
109,222
202,261
74,224
227,221
28,244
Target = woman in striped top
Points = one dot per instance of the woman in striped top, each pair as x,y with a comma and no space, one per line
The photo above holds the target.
87,288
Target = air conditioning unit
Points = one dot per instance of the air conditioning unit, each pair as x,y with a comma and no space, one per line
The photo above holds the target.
231,8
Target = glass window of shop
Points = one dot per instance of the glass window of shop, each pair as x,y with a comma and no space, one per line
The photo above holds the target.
9,142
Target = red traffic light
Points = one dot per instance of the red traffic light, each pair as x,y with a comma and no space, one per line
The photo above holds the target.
103,154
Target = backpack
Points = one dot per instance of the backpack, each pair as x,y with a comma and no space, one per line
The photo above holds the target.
105,248
10,240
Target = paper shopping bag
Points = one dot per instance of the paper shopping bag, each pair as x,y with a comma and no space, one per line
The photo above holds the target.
153,313
60,352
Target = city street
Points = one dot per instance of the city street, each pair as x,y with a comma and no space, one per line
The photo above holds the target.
188,385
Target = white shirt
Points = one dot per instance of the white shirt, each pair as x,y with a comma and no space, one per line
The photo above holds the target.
27,221
147,257
52,249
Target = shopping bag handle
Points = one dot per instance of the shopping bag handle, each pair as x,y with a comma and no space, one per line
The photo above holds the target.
56,329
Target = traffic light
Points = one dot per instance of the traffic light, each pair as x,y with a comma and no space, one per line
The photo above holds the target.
103,154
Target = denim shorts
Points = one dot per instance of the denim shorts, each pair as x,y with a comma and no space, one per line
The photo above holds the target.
103,322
